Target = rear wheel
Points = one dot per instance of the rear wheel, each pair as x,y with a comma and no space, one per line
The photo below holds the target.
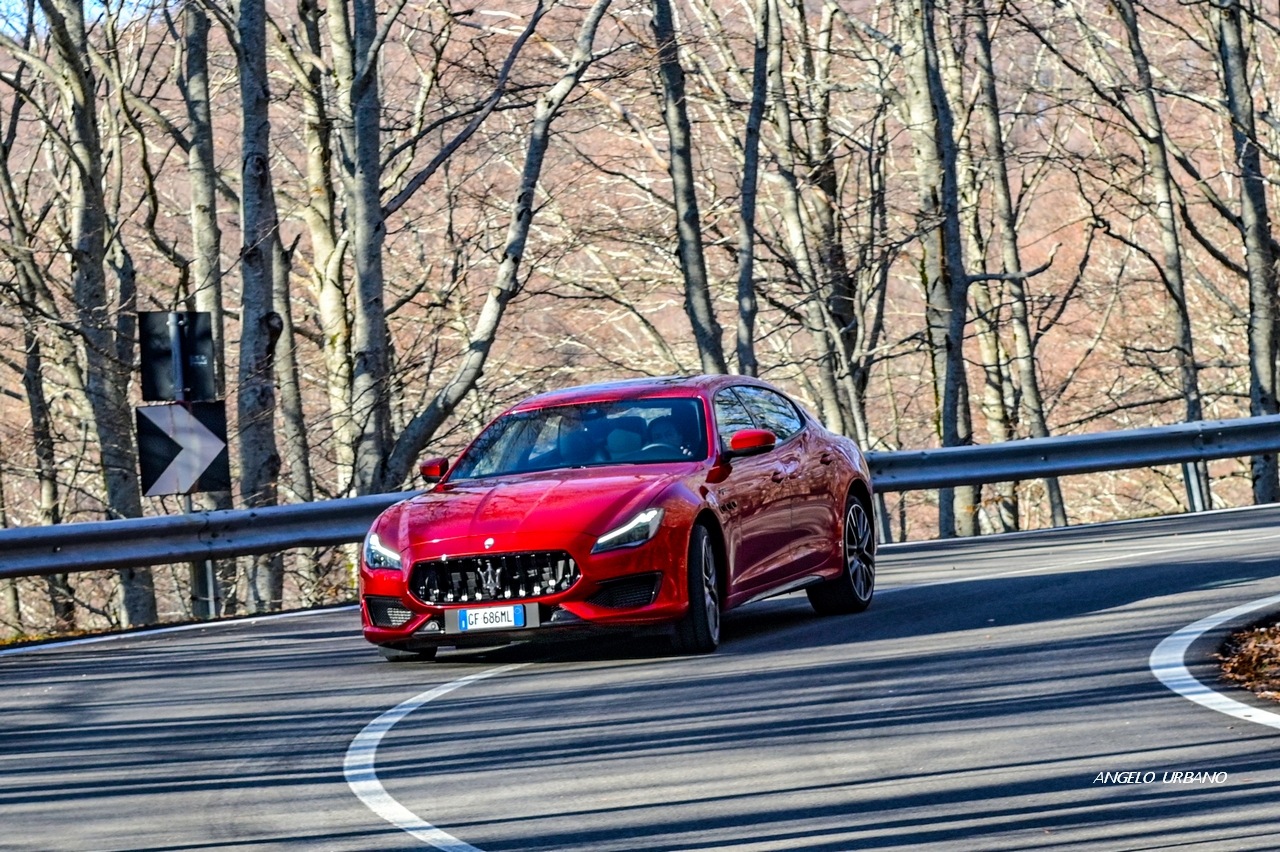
699,631
397,655
852,590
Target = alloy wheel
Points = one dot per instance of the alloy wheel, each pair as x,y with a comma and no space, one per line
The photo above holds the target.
859,549
710,591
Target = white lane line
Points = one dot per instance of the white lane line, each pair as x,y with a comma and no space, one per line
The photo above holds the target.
362,777
1169,664
177,628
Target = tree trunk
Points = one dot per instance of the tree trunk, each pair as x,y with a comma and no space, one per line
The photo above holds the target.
1151,139
423,426
945,281
746,347
202,167
327,248
693,264
61,599
12,601
986,318
1024,362
792,213
106,378
259,323
355,54
1259,261
206,241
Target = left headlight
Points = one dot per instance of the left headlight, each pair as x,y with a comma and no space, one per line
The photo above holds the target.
378,555
638,530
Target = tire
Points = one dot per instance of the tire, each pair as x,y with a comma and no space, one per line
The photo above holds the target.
396,655
699,631
850,592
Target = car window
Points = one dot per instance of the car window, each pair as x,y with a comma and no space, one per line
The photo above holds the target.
774,411
731,415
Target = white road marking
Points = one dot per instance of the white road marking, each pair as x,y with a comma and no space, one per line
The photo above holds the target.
1168,663
362,777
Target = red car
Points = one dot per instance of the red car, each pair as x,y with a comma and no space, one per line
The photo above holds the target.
634,504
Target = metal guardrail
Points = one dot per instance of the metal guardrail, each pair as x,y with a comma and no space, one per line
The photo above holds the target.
101,545
166,539
1037,458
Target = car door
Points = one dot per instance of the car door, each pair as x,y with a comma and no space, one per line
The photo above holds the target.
753,500
815,512
775,412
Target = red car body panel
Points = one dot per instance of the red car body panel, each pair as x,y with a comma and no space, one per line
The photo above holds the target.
775,519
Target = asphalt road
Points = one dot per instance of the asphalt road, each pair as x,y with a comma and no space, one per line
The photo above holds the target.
971,708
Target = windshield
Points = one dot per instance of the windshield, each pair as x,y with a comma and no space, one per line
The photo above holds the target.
637,431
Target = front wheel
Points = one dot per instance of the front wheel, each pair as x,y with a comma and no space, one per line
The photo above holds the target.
699,631
851,591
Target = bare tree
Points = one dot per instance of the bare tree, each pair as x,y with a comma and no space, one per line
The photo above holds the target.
104,336
943,272
747,305
693,264
260,324
1023,356
414,437
1260,260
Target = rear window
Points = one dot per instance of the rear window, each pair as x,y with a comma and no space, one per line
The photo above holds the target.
772,410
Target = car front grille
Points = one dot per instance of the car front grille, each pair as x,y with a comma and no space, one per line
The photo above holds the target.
497,577
627,592
386,612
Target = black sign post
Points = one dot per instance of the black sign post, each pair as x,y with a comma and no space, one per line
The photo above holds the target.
182,447
177,356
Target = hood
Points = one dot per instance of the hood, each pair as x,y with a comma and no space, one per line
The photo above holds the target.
568,501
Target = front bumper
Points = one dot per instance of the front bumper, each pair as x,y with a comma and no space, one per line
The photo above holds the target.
607,594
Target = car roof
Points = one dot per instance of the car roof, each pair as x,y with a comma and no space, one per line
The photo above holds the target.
635,388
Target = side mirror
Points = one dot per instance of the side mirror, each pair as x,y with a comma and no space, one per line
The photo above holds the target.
751,442
433,470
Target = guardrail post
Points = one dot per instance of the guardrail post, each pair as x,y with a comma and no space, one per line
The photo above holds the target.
1195,475
884,532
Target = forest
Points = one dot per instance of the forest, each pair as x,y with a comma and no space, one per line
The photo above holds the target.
934,222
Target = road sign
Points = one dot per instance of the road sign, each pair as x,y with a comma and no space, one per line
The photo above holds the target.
177,355
182,448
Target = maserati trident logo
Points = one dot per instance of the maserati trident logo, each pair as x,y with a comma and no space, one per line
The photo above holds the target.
491,579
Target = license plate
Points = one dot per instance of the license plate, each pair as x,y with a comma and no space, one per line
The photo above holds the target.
491,618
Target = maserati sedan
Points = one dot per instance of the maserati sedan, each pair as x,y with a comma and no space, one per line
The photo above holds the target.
646,504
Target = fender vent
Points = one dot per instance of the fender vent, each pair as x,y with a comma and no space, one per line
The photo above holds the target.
386,612
627,593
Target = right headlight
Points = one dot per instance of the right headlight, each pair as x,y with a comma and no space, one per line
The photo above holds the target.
378,556
638,530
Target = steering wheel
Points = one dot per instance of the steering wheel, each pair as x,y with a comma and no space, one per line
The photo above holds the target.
659,446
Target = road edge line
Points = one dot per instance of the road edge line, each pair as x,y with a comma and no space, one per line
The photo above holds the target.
1168,663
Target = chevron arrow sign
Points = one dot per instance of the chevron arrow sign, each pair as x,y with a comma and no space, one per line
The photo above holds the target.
182,448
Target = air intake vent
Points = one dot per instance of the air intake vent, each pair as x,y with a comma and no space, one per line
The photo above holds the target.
627,593
387,612
500,577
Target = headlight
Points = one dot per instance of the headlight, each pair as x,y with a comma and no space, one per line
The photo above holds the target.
639,529
378,555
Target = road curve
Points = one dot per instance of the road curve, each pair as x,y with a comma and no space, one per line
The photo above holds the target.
971,708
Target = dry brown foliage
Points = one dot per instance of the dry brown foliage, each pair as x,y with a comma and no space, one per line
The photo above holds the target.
1251,658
